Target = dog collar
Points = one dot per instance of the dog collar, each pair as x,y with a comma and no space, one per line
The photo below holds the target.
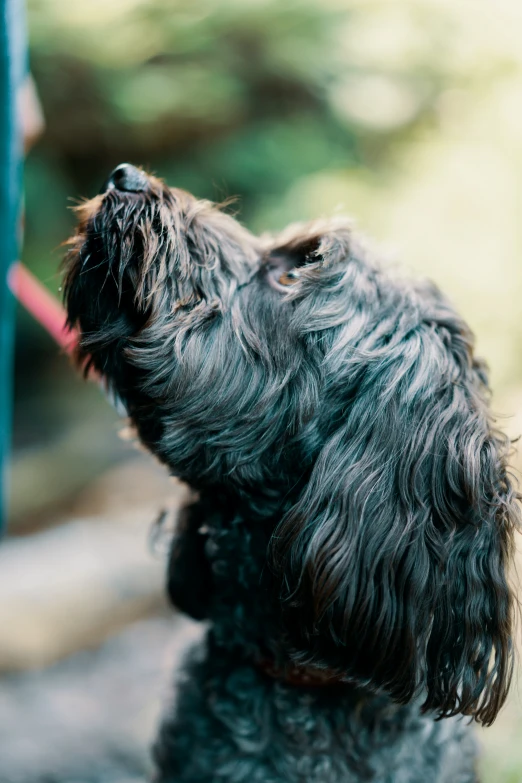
300,676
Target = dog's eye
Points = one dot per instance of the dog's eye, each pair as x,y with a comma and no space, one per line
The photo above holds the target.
288,278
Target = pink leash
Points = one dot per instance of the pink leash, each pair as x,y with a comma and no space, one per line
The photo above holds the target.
42,305
47,310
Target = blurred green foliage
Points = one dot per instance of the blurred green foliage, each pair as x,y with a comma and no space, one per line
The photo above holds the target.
222,98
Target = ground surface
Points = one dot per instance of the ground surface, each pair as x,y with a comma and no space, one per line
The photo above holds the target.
92,717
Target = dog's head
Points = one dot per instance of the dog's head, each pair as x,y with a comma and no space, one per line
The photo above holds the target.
294,370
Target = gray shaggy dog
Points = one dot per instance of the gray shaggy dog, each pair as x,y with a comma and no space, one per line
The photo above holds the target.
355,518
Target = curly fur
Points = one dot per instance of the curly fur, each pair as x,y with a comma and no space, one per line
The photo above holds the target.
355,513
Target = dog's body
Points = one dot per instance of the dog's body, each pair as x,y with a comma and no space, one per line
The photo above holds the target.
233,721
253,730
355,518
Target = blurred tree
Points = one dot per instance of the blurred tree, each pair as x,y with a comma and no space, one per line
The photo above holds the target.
223,98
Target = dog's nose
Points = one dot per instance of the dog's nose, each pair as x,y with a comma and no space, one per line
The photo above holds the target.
126,177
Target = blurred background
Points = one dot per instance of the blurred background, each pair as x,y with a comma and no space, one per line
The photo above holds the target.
406,115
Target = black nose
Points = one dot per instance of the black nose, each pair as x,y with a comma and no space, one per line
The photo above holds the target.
126,177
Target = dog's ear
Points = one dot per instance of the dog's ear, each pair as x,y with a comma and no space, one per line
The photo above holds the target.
303,248
393,560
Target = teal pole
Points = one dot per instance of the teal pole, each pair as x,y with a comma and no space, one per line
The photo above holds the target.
13,54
